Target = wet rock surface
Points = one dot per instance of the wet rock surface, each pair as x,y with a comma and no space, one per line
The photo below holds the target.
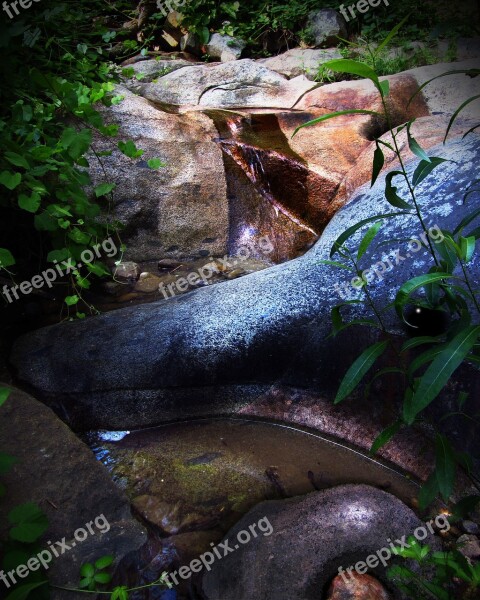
337,527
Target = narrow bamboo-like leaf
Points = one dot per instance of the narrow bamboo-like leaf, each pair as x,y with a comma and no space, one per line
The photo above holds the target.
466,221
469,72
354,67
418,341
368,239
4,394
332,263
352,230
391,35
429,492
378,162
441,369
425,168
445,466
385,87
415,146
467,248
24,591
359,369
457,112
391,192
414,284
333,116
423,359
384,437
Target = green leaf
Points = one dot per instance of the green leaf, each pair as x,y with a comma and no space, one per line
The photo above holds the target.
425,168
76,143
10,180
30,523
155,163
6,462
352,230
467,248
457,112
58,255
6,258
104,561
333,116
415,146
23,592
407,289
17,160
103,578
442,368
368,239
87,570
353,67
129,149
30,203
445,466
429,492
385,436
385,87
391,192
378,162
359,369
391,35
332,263
4,394
119,593
418,341
72,300
203,35
104,189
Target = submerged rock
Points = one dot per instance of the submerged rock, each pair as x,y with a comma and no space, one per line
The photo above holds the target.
357,587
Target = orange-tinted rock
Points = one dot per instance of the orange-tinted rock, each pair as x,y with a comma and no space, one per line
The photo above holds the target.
357,587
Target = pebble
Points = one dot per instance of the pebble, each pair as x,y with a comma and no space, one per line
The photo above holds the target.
147,283
235,274
126,272
470,527
357,587
469,546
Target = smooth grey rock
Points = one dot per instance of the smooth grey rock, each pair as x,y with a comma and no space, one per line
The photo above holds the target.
154,69
237,84
312,537
55,470
225,48
300,61
217,348
190,43
326,26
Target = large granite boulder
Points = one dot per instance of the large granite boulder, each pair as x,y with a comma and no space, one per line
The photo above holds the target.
59,473
300,61
307,540
218,348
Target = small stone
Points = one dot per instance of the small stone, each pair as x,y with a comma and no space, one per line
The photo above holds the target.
168,263
224,48
469,546
471,527
357,587
147,283
235,274
326,26
126,272
190,43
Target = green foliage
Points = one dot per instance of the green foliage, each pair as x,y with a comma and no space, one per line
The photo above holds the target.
424,365
438,571
49,118
95,574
